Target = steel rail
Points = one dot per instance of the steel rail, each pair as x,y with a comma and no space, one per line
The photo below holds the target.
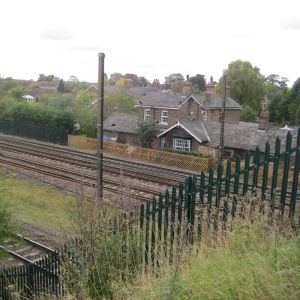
37,244
85,155
17,256
70,179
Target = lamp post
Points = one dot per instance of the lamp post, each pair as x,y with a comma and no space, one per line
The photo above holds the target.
99,185
222,117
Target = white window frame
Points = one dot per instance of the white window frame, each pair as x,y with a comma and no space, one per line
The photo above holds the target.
147,114
164,116
162,142
182,144
204,115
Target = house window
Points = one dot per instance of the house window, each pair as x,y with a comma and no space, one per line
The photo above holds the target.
164,116
182,144
162,142
147,114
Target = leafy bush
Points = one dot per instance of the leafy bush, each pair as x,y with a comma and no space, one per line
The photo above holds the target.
248,114
102,254
7,226
191,153
147,133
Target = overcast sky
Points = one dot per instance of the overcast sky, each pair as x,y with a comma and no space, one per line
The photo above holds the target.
149,38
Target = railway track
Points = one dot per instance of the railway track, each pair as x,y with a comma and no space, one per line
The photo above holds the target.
84,159
22,250
138,192
87,161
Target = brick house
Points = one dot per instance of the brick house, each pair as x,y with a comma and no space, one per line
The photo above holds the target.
182,118
191,122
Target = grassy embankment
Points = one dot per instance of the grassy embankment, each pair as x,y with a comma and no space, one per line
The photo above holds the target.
36,204
251,264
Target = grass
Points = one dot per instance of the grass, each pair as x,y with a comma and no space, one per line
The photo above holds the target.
37,204
251,264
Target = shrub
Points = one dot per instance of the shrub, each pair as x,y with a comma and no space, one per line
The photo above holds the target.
102,253
191,153
7,226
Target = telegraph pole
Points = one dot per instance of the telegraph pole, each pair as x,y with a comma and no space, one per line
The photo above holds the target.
99,185
222,117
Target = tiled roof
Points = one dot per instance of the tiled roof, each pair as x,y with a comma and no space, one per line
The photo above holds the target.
159,99
246,136
194,128
121,122
216,102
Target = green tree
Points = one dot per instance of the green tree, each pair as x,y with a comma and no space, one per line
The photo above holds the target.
120,82
246,82
285,107
43,77
277,81
61,86
16,92
120,102
147,133
248,114
293,102
199,82
114,77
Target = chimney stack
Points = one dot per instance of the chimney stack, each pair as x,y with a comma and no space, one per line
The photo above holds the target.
228,89
210,90
186,87
210,87
264,117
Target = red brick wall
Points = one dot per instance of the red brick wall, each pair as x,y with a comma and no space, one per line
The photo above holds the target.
231,115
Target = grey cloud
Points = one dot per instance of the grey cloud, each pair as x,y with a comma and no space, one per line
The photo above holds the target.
292,23
56,34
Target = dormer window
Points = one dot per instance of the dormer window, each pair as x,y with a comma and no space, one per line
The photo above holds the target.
164,116
147,114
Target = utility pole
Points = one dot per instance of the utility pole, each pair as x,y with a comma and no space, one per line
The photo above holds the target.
99,185
222,117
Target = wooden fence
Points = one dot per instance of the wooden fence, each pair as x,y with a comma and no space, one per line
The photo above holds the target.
156,156
40,278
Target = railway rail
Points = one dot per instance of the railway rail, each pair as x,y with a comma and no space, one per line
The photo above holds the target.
84,159
87,160
67,174
24,250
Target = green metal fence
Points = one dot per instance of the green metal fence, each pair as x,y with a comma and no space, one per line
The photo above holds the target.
202,207
206,205
53,135
41,278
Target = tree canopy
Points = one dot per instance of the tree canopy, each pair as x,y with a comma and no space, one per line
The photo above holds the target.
246,82
199,82
285,107
147,133
61,86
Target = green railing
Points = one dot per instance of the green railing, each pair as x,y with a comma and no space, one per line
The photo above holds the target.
53,135
206,205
